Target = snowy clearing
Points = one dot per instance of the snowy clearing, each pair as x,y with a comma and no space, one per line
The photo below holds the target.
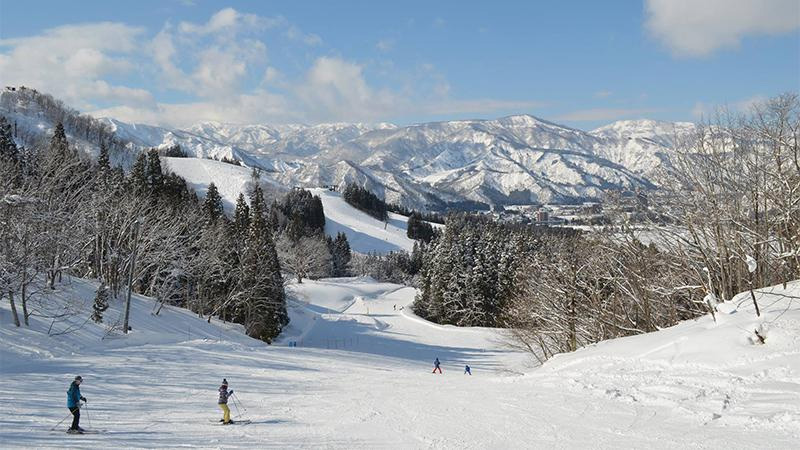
360,378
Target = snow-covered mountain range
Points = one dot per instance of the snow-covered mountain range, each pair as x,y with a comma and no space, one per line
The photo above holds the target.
511,160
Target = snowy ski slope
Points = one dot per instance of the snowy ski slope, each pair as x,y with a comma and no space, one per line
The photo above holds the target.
360,378
365,233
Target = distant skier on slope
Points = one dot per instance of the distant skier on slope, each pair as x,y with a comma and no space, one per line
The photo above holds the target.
436,366
74,398
224,393
466,370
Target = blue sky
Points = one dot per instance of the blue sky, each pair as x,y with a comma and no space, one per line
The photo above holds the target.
581,63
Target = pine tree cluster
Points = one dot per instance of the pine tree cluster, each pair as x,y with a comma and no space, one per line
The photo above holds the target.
393,267
340,252
364,200
299,213
468,273
428,216
418,229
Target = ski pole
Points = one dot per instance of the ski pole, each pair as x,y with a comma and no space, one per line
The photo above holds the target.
86,405
62,421
238,413
241,410
237,400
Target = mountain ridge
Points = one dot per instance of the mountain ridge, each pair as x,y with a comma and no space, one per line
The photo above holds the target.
518,158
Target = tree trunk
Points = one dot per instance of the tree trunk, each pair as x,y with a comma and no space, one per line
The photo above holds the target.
130,276
24,297
13,308
573,334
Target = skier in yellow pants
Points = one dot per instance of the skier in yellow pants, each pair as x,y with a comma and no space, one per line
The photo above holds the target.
224,393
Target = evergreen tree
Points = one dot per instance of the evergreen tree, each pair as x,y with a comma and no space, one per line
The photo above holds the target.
300,212
241,218
340,254
100,303
138,176
103,166
212,206
175,191
468,272
264,302
58,143
154,176
10,163
419,229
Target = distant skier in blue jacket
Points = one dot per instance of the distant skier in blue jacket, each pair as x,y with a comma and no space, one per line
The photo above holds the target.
467,370
74,398
436,366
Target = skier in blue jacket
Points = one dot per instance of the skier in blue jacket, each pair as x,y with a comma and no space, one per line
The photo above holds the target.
74,398
436,366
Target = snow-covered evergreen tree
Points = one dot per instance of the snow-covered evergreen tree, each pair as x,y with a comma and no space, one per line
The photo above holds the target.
212,205
263,303
100,304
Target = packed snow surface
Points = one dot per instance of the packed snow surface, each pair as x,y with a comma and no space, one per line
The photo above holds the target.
365,233
360,377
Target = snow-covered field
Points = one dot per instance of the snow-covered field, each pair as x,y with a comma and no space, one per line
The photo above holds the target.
360,378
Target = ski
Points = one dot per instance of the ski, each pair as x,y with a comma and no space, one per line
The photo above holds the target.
237,422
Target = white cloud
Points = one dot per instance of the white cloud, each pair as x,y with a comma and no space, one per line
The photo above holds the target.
698,28
295,33
603,94
335,88
702,110
603,114
228,20
385,45
259,106
220,70
71,61
271,75
209,60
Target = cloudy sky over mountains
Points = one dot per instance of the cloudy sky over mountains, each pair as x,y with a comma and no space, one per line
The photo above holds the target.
580,63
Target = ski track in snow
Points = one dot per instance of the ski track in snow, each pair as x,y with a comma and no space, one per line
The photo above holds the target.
696,385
